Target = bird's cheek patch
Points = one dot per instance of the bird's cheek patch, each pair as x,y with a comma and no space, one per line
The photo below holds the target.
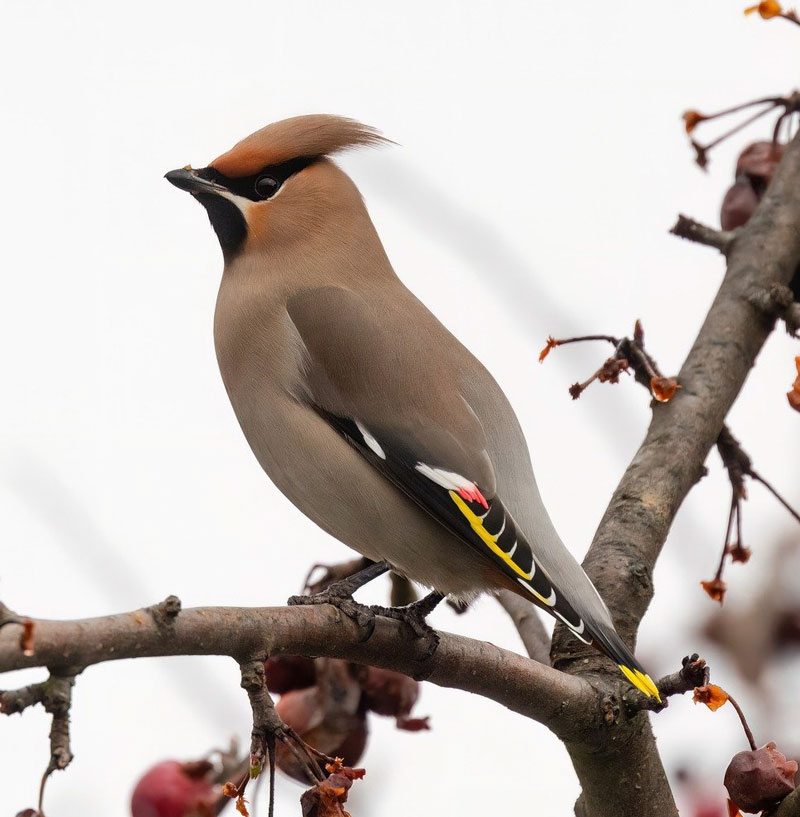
258,222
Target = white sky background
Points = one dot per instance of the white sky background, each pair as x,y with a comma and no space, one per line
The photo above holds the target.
542,161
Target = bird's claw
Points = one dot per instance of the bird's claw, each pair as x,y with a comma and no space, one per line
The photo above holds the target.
363,616
413,615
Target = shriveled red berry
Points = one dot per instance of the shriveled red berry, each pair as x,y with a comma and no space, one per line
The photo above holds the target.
389,693
758,779
739,204
174,789
335,730
759,159
288,672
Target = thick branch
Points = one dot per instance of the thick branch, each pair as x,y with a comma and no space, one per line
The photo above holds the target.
670,460
790,806
566,704
632,532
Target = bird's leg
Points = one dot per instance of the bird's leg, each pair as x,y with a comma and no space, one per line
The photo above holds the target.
340,595
414,616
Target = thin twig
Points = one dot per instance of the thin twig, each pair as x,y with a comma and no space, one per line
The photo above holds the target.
57,700
769,487
692,230
694,672
17,700
742,718
529,626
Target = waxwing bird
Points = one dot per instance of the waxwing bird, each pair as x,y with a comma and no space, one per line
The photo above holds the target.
360,406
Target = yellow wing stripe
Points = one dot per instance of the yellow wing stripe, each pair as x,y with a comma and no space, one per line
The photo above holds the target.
644,683
490,541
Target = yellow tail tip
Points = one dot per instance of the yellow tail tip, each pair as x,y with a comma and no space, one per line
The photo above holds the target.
644,683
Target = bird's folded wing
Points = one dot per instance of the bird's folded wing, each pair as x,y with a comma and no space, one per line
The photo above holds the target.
398,403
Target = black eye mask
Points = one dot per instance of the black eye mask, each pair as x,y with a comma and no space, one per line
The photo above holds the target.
262,185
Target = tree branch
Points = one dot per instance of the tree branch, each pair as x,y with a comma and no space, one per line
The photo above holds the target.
529,626
692,230
670,460
790,806
634,527
566,704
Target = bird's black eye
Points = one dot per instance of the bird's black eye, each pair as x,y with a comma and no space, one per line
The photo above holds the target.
266,186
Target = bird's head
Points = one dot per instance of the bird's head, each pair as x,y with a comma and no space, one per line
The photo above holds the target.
277,185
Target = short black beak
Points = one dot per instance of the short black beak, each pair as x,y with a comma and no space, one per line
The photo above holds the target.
191,182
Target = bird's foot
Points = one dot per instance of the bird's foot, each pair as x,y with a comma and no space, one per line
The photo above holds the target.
361,614
340,595
414,616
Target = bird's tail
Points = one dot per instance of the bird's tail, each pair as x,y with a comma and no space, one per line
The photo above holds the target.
610,643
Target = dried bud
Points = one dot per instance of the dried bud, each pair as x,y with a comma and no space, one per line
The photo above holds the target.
287,672
715,588
325,799
700,154
759,779
612,369
711,695
793,396
664,388
739,553
739,204
767,9
551,344
691,119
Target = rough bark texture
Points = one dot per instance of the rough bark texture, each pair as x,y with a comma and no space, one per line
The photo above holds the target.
668,463
566,704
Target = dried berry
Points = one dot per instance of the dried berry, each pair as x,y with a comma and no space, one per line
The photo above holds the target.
754,169
288,672
389,693
739,204
759,160
173,789
760,778
328,716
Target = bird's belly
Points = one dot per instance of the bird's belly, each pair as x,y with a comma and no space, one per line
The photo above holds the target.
333,485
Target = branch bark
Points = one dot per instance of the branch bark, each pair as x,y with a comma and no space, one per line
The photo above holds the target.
529,626
566,704
632,532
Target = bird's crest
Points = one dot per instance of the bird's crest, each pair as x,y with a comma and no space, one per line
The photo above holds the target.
306,136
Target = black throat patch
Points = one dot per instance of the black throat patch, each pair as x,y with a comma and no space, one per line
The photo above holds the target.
226,218
228,223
